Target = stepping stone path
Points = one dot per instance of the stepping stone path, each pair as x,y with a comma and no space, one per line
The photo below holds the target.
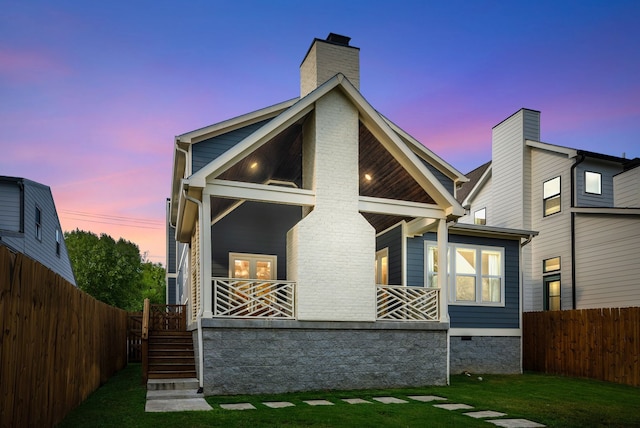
172,401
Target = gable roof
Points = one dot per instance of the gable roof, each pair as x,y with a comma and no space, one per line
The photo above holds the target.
378,126
475,177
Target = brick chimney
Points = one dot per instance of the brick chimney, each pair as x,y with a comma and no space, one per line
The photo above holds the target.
325,59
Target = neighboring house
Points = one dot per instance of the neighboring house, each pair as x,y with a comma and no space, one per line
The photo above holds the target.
29,224
585,205
306,239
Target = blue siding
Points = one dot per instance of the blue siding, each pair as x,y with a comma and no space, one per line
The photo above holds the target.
607,171
207,150
256,228
392,239
475,316
171,292
443,179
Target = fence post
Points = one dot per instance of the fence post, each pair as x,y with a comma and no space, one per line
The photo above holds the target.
145,341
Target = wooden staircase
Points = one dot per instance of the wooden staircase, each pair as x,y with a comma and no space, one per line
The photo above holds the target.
171,355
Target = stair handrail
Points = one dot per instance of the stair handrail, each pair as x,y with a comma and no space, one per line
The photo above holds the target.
145,340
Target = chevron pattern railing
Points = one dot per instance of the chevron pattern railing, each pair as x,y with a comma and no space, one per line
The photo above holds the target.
253,298
399,303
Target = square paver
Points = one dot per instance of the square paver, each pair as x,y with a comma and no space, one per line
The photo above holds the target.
426,398
278,404
390,400
319,403
238,406
356,401
515,423
453,406
177,405
485,414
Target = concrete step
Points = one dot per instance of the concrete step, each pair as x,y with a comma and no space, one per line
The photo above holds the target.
190,383
173,394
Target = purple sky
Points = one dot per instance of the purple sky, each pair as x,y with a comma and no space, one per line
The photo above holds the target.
92,93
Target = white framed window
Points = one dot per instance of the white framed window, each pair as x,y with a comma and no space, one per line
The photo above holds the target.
382,267
480,216
551,196
252,266
475,273
593,182
58,242
38,224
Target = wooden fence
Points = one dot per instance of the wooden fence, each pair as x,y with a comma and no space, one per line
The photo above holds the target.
134,337
57,343
601,344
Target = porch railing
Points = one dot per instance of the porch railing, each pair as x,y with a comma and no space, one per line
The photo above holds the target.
398,303
253,298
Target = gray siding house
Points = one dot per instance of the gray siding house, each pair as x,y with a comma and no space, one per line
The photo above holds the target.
29,224
585,205
310,241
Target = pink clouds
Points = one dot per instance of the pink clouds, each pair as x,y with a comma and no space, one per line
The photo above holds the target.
28,66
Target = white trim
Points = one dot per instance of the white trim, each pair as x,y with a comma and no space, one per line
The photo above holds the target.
399,208
380,254
571,153
496,332
260,192
235,123
597,210
479,185
403,249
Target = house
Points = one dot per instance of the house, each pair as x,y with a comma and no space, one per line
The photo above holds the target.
585,205
29,224
306,240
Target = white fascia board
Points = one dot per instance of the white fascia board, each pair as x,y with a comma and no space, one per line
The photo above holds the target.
420,226
442,165
399,208
571,153
605,210
479,185
259,192
235,123
401,152
187,213
486,332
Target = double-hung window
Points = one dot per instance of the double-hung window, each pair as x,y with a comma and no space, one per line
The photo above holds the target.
475,273
551,284
38,224
593,182
480,216
551,196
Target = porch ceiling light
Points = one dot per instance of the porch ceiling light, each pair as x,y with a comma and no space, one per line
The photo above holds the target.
368,177
254,165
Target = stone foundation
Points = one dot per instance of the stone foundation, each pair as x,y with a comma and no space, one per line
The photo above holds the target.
485,354
261,356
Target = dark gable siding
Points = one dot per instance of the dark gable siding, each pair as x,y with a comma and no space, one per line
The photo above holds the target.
473,316
392,239
207,150
443,179
171,292
607,171
255,228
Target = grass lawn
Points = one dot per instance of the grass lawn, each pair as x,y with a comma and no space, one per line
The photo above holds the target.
551,400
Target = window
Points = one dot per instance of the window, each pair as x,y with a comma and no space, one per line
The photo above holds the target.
38,224
57,242
476,273
382,267
593,182
551,196
480,216
552,293
252,266
551,265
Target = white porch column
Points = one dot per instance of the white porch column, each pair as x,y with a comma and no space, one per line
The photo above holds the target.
443,263
205,256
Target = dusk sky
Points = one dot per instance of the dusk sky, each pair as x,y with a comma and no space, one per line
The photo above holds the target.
93,93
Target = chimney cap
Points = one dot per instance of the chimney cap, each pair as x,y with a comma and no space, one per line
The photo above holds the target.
338,39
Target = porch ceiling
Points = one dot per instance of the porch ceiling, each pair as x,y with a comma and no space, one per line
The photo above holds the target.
280,159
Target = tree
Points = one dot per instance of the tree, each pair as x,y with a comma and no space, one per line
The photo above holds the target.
152,282
111,271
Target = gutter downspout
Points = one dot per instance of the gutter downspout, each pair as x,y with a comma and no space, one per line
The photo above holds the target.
580,159
200,311
522,244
